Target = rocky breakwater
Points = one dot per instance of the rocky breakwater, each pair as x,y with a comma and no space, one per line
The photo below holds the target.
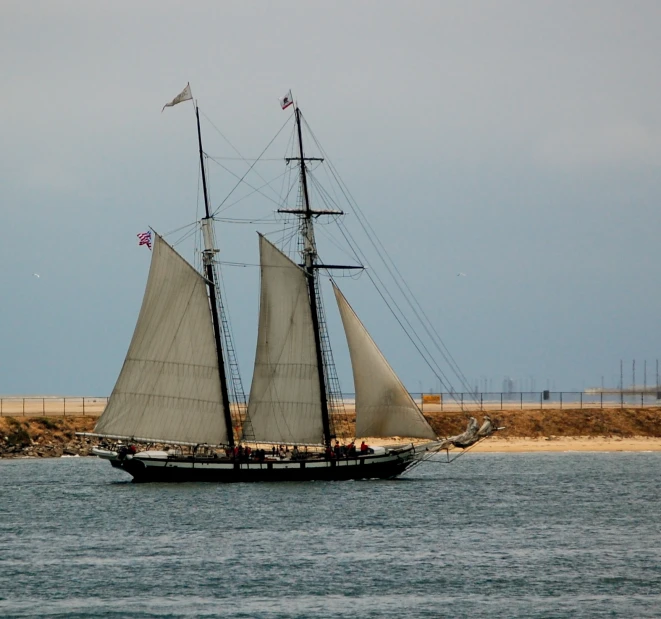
45,437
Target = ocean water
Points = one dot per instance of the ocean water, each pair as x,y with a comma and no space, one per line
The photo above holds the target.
491,535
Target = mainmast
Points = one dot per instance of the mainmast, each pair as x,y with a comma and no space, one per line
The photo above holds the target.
311,266
309,258
208,254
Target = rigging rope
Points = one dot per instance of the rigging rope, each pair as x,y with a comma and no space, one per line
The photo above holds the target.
289,232
250,167
390,266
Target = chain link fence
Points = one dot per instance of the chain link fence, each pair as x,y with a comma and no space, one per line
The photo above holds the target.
52,406
536,400
430,402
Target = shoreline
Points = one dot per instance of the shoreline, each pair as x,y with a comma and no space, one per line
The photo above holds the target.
558,444
583,444
631,431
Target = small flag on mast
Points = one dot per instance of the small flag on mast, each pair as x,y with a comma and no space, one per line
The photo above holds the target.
184,95
286,101
144,238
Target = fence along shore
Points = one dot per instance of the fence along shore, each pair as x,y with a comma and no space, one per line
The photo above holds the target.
93,406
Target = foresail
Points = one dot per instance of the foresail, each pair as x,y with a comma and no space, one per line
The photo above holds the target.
285,400
169,386
384,408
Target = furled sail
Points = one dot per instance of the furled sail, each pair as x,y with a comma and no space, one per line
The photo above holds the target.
468,437
169,386
384,407
285,400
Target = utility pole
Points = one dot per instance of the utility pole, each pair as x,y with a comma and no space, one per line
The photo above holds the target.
644,376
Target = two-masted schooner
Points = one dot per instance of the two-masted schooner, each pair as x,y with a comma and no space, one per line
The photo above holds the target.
173,391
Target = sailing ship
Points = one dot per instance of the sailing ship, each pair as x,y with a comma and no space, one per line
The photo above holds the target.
173,391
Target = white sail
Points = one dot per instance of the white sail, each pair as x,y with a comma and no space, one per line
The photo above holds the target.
384,407
285,400
169,386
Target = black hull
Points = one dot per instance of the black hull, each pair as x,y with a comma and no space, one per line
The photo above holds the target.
210,470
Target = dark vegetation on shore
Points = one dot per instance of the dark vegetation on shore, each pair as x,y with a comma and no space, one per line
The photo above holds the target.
43,437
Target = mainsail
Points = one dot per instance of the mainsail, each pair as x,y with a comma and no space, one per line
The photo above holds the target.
285,400
169,387
384,407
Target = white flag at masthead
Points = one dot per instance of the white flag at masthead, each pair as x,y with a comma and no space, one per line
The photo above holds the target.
184,95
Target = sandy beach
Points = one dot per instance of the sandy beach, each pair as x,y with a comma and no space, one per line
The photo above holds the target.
503,444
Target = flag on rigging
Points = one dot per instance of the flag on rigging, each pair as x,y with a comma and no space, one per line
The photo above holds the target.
286,101
184,95
144,238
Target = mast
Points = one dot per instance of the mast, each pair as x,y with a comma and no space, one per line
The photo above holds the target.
310,254
310,266
208,255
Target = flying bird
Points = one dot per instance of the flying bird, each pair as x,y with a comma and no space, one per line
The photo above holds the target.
36,274
461,274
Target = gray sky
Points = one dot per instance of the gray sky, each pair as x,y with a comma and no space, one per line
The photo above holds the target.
516,142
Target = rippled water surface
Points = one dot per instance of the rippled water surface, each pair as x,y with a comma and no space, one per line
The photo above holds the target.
516,535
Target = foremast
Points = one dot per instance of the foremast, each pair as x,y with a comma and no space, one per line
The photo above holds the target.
207,258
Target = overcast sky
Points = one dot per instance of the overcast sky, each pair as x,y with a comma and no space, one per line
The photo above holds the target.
517,142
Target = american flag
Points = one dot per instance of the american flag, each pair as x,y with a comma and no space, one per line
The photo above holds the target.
144,238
